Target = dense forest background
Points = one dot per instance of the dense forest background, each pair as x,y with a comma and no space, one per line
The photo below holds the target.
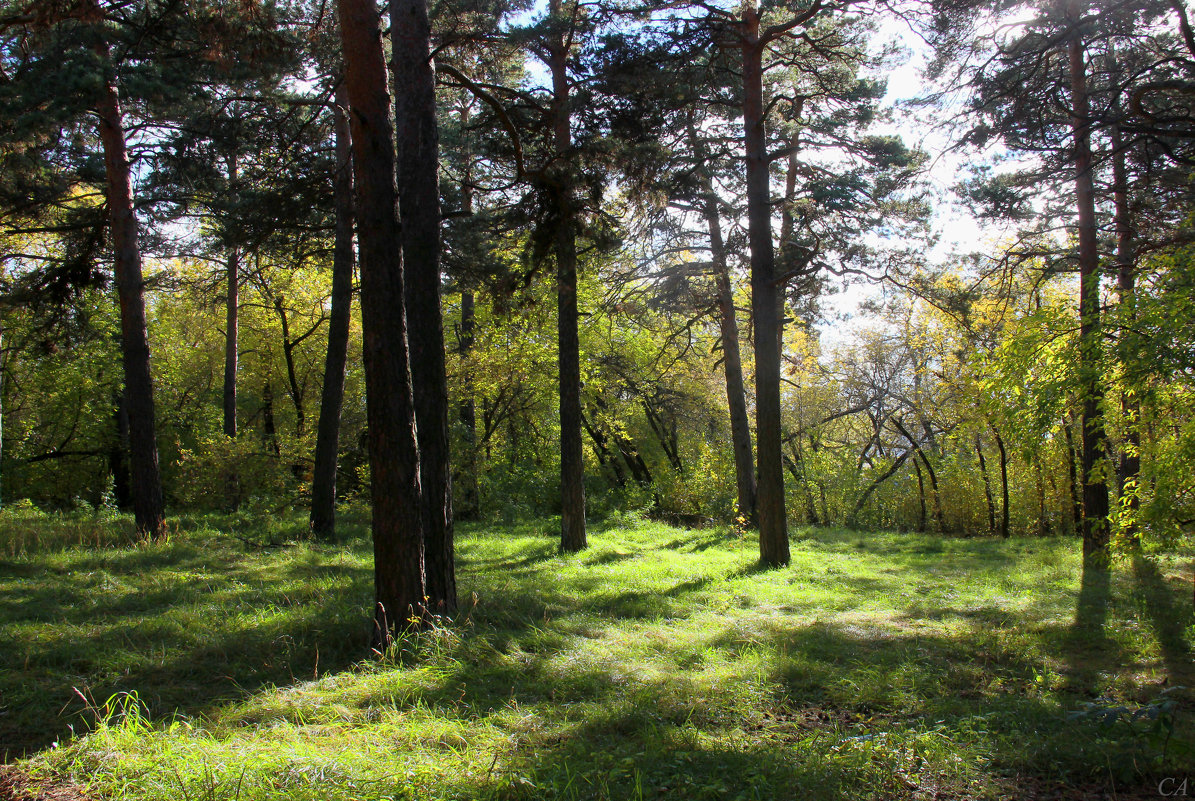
963,398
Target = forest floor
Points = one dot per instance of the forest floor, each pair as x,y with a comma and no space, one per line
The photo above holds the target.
230,663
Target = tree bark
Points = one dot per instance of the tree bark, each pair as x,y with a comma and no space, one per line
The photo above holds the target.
418,144
929,469
231,325
1128,473
862,499
327,438
231,335
987,485
572,465
118,465
1043,521
390,406
1095,488
292,377
923,515
3,362
732,360
468,500
765,298
1004,511
1072,472
148,508
269,432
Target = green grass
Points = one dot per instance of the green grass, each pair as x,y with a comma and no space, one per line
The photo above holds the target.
660,663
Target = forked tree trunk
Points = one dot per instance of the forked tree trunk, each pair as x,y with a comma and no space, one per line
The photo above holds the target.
327,438
134,340
390,407
929,469
572,472
765,300
1095,488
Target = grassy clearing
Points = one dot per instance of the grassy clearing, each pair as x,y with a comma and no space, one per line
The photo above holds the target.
658,664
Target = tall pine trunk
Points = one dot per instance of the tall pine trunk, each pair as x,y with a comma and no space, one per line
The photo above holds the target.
130,288
327,437
390,406
572,474
232,280
765,304
1095,488
2,366
466,498
1128,473
732,360
419,203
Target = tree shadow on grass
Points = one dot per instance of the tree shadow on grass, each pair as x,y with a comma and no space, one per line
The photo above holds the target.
184,628
1167,617
1087,648
848,708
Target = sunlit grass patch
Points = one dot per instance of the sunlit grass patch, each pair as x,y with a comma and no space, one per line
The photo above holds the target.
660,663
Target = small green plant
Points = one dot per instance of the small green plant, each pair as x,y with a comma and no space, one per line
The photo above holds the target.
1152,723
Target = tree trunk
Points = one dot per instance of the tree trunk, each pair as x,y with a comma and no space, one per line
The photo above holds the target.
134,340
419,203
1073,475
1128,473
862,499
929,469
765,299
601,447
732,364
390,406
572,466
1003,484
3,361
1043,521
231,335
923,515
1095,488
987,485
118,465
468,500
327,437
292,378
269,432
232,325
